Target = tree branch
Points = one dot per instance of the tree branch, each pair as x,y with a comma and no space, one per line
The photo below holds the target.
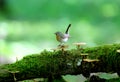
54,64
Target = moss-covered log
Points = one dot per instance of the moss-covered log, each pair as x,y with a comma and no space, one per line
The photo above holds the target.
54,64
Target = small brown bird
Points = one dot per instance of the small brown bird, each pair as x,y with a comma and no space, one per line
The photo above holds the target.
63,37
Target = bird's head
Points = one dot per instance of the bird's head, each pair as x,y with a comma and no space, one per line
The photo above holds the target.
57,33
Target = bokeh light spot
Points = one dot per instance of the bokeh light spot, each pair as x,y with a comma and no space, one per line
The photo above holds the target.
109,10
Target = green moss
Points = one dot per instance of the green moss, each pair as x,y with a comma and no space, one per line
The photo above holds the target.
44,64
49,63
107,55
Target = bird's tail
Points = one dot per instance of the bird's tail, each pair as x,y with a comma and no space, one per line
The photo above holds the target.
66,32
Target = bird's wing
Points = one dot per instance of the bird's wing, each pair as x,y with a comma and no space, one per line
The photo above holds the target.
62,36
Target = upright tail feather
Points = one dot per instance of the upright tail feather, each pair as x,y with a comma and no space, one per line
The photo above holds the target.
67,29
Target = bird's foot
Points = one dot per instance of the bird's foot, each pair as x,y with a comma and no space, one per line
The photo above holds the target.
63,46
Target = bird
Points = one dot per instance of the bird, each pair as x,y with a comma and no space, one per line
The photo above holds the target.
63,37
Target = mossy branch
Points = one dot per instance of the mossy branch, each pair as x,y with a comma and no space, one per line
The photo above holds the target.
54,64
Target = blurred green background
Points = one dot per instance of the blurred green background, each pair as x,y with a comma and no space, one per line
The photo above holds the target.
28,26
